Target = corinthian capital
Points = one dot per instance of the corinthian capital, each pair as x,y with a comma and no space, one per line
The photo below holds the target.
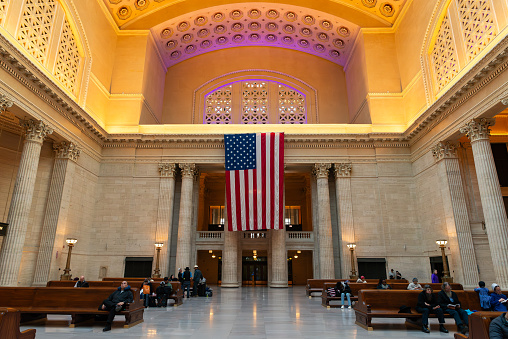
66,150
321,170
167,170
35,130
343,170
444,150
5,102
188,170
478,129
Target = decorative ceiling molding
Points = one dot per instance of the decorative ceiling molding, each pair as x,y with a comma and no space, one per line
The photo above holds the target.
266,25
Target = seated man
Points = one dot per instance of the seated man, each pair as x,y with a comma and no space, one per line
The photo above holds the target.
116,302
450,304
81,282
414,285
427,304
499,327
497,299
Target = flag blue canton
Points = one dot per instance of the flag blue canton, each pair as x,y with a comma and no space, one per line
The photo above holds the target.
240,151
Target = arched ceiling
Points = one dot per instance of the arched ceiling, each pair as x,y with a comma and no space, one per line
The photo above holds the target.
227,26
144,14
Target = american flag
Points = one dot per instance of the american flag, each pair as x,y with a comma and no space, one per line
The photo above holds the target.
255,181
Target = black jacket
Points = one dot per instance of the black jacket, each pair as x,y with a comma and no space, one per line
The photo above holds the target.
499,328
180,277
443,300
197,276
186,276
422,300
82,284
380,287
119,296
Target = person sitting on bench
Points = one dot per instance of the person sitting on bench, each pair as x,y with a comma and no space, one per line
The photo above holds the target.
116,302
427,303
382,285
450,304
82,282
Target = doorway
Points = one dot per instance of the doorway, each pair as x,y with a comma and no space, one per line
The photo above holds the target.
372,268
254,271
210,263
436,263
138,267
299,267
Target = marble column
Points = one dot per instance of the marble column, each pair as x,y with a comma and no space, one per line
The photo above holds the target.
279,269
57,210
12,246
165,213
195,212
478,132
184,246
345,214
458,226
326,265
314,209
230,256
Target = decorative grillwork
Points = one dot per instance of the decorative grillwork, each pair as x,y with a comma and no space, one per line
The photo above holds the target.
218,106
68,59
292,108
3,10
254,103
444,55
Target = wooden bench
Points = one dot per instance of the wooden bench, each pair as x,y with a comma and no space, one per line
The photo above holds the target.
355,287
479,323
176,295
9,325
387,303
316,285
80,303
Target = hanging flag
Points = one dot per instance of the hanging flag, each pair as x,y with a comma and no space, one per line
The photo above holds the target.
254,181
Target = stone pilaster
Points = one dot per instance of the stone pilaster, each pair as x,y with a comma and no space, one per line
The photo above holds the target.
345,214
12,246
165,213
184,246
326,265
314,213
57,210
279,269
460,240
195,211
230,256
5,102
478,132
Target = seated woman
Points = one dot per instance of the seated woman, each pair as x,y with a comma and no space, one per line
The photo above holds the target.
484,296
361,280
427,304
346,290
497,299
382,285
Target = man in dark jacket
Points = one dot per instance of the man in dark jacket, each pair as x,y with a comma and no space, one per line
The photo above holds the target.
499,327
81,282
116,302
197,279
427,303
450,304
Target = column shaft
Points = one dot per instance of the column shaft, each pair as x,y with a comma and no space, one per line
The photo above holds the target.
279,269
21,202
345,214
183,250
326,266
165,213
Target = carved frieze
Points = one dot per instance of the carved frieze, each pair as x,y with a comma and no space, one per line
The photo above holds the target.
478,129
66,150
343,170
444,150
321,170
5,102
188,170
167,170
35,130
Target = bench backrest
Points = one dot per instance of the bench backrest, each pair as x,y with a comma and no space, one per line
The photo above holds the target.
479,323
58,297
355,287
130,279
9,324
392,300
113,284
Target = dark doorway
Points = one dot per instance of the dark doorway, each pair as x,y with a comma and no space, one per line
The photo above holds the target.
254,271
436,263
372,268
138,267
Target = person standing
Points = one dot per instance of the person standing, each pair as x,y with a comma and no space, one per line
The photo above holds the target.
427,304
434,278
180,276
197,279
186,276
450,304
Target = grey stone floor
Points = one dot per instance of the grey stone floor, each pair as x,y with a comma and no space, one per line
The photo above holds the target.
247,312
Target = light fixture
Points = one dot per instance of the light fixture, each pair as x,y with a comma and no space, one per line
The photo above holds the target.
353,275
67,270
296,256
446,272
299,252
210,251
213,256
441,242
351,246
158,245
157,271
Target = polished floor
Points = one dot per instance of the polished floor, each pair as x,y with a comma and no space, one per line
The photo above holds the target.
247,312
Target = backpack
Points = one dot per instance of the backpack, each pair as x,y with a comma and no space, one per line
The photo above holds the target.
146,289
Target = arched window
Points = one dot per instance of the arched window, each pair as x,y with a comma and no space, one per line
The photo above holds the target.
255,101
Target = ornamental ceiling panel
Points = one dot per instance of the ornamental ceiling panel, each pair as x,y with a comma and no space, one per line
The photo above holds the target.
143,14
220,27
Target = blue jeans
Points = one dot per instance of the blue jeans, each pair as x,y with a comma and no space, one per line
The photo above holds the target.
459,315
186,286
348,295
146,298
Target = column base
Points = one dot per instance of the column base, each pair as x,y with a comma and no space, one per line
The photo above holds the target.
448,279
66,276
278,284
229,285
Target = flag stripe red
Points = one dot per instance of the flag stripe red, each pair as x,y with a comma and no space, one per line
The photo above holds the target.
228,198
263,180
247,206
237,200
281,181
272,179
255,197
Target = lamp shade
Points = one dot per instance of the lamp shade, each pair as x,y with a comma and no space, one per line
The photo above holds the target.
71,241
351,246
441,242
159,244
